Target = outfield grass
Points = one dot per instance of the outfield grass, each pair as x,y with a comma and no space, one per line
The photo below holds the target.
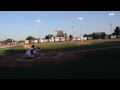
101,64
12,50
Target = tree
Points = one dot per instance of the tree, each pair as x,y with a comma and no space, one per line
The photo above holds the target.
90,35
94,35
70,36
117,31
46,37
102,36
49,36
30,38
113,33
65,35
85,35
98,35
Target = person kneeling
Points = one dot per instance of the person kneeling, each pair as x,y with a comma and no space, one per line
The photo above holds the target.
29,53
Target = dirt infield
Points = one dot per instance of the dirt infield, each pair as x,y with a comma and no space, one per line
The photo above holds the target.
7,46
26,47
45,60
49,58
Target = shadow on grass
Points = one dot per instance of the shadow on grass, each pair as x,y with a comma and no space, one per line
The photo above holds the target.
12,50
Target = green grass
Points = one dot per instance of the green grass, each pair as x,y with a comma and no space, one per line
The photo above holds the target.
12,50
101,64
69,46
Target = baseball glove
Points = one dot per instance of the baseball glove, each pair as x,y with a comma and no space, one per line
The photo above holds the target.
37,47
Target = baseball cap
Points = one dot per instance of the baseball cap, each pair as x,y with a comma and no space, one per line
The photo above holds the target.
33,45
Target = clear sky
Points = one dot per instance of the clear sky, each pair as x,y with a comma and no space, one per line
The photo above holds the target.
19,25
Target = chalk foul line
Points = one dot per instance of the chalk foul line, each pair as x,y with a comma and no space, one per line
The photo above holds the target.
59,54
24,57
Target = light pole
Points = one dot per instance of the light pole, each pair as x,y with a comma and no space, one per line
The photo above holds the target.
99,36
111,14
72,30
80,25
39,28
75,35
80,18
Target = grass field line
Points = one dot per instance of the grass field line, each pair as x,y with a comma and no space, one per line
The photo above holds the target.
94,49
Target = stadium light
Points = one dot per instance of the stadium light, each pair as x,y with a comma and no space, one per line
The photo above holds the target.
80,18
39,28
111,14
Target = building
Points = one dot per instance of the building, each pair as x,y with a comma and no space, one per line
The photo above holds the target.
10,42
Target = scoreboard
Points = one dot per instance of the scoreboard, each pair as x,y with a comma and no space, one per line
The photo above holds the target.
59,33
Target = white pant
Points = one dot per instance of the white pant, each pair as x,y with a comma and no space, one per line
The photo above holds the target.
30,56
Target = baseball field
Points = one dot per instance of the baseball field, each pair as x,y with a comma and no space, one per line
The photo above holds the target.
93,59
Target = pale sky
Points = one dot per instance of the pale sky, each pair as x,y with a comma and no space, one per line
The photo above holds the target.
21,24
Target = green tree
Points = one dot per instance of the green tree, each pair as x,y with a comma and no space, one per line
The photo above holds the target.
85,35
49,36
46,37
30,38
91,34
104,33
116,31
102,36
70,36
